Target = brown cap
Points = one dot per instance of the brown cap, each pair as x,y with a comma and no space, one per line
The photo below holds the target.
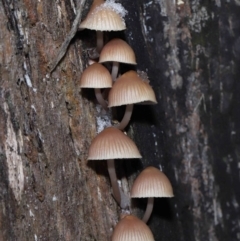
103,18
117,50
111,143
151,182
96,76
131,89
131,228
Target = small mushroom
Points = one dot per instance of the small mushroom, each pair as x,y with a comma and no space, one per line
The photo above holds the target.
130,228
117,51
96,76
104,16
151,183
130,89
112,144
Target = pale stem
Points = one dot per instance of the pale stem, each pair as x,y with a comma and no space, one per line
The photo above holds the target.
149,209
126,117
115,68
99,41
114,182
100,98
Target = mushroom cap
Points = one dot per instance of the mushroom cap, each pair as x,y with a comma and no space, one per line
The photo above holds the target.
96,76
131,228
111,143
103,18
117,50
151,182
131,89
95,4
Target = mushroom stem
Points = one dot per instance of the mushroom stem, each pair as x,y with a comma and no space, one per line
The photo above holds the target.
126,117
100,98
113,178
115,68
149,209
99,41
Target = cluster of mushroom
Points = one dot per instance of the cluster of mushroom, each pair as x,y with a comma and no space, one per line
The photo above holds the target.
112,144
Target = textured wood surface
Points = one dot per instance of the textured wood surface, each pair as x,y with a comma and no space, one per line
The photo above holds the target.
48,191
190,51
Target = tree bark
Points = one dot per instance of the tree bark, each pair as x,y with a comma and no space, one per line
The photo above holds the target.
48,189
190,52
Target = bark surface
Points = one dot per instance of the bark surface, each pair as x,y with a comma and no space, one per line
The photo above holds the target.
190,52
48,190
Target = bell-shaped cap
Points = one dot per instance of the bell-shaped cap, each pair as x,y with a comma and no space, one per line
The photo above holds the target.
117,50
131,89
103,18
111,143
151,182
130,228
96,76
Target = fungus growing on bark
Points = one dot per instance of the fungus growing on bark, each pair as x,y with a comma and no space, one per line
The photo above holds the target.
117,51
130,228
96,76
112,144
104,16
130,89
151,183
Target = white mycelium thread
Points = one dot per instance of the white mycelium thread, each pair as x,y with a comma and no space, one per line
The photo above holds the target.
103,118
116,7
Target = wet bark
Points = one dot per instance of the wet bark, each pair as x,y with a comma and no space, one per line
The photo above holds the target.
190,51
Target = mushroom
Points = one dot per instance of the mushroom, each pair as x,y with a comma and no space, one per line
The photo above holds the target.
96,76
130,89
151,183
104,16
130,228
112,144
117,51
